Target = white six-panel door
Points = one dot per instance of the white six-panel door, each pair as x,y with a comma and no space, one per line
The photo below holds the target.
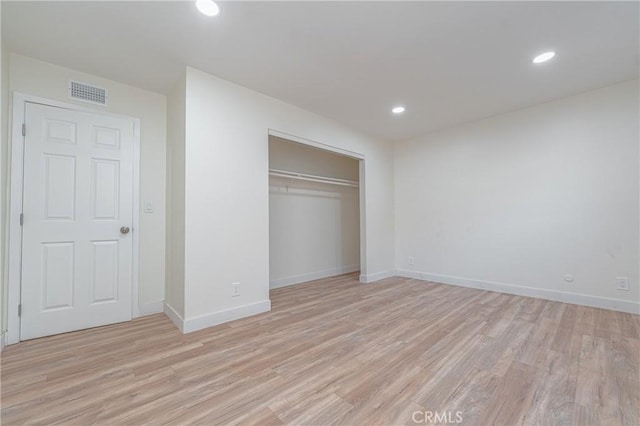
78,194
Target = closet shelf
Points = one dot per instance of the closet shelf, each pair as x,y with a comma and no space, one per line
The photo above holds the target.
313,178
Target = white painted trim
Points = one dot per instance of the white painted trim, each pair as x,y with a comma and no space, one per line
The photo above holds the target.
221,317
174,317
370,278
135,226
558,296
14,230
404,273
303,278
363,217
3,341
151,308
320,145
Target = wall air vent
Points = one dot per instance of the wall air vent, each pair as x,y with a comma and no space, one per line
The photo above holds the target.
87,93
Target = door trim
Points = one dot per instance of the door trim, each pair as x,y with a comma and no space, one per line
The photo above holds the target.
364,278
14,230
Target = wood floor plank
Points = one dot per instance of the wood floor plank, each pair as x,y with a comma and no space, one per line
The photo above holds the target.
334,351
512,401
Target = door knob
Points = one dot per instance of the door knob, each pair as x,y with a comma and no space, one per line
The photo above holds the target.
124,230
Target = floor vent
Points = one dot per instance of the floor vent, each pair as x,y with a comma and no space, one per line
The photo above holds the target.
87,93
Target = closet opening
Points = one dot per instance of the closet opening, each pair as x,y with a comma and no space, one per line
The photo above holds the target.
314,212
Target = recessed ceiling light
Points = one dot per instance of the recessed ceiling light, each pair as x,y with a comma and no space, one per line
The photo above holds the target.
208,7
398,110
543,57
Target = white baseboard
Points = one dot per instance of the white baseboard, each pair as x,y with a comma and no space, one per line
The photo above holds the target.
297,279
216,318
557,296
151,308
174,317
3,341
405,273
369,278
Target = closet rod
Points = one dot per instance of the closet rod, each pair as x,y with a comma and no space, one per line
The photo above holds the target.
313,178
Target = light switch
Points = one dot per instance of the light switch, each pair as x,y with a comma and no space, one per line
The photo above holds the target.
148,207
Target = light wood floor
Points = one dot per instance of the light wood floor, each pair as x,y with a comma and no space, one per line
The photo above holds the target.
338,352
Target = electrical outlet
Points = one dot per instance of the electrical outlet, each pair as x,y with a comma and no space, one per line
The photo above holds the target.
412,261
235,289
622,283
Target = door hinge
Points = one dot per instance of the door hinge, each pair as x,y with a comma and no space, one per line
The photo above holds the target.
20,310
24,129
21,219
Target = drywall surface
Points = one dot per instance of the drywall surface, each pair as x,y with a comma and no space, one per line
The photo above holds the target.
176,115
524,198
4,150
296,157
314,228
34,77
227,191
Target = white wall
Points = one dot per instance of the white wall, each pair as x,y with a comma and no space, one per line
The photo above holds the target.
4,143
314,228
227,193
34,77
524,198
175,198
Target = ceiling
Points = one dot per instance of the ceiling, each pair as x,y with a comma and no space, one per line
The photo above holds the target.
447,62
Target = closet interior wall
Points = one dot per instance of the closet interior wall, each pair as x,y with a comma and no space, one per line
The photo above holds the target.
314,213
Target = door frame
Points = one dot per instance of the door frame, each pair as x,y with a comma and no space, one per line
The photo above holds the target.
362,188
16,184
